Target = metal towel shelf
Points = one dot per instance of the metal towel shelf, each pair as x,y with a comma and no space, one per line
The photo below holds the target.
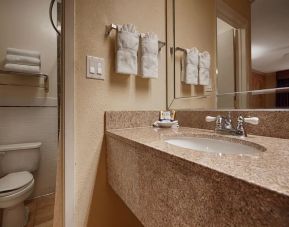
39,75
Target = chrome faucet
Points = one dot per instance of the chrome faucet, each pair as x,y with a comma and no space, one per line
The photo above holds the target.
224,124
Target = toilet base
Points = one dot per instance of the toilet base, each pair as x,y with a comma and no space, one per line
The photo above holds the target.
14,216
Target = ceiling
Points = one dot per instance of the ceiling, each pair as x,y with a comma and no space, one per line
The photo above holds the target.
270,35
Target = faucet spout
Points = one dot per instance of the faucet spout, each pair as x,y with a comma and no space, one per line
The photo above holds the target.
224,124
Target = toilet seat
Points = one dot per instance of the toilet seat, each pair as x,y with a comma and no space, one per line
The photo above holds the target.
13,182
16,196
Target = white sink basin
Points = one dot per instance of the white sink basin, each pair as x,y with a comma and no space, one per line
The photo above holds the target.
219,146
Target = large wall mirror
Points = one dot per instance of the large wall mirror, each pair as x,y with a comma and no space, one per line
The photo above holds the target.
225,54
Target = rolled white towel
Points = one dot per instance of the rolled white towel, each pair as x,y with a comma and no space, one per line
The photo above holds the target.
21,52
149,55
191,62
204,68
22,68
22,60
126,50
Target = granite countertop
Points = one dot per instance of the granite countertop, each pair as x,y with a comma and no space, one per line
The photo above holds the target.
269,170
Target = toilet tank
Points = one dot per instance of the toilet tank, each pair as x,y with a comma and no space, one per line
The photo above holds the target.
19,157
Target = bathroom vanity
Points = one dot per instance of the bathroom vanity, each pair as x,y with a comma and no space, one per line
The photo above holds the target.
192,176
167,185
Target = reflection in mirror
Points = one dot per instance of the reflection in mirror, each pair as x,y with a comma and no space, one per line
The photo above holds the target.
248,44
269,65
193,39
231,46
270,49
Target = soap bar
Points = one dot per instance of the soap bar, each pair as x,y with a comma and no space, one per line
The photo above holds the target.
167,115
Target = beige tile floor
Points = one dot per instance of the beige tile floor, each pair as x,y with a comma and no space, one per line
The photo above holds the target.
41,211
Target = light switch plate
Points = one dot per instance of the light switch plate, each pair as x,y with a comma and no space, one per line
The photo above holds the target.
95,68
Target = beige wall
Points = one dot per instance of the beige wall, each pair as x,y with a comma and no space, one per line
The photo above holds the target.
96,203
26,25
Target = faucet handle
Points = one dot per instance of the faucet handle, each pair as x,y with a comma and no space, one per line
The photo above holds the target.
210,119
241,120
218,120
252,120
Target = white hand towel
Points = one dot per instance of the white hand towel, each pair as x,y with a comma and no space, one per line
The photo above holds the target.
204,65
149,56
22,68
28,53
126,50
22,60
191,62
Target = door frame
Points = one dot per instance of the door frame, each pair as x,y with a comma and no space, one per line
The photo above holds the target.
68,114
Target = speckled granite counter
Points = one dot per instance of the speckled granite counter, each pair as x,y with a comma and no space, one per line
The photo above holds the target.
165,185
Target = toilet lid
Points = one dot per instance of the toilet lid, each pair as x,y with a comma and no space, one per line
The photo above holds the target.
15,181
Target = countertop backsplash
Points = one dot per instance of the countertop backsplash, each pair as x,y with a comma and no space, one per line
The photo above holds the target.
273,123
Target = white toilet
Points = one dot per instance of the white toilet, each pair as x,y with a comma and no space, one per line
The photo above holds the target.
17,162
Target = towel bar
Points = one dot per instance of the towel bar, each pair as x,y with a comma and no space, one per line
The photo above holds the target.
176,49
109,28
180,49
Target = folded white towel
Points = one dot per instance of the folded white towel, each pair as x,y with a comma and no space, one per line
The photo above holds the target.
21,52
149,55
22,68
22,60
204,67
126,50
191,62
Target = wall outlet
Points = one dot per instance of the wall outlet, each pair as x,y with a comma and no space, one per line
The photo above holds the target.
94,68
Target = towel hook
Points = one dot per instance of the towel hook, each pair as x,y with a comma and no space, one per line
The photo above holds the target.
109,28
